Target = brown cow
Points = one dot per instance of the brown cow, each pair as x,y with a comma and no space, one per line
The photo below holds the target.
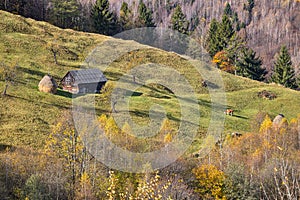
229,112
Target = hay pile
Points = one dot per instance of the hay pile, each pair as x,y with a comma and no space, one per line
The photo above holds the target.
277,121
267,95
48,85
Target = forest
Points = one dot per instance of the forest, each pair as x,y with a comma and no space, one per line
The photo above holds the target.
265,25
263,164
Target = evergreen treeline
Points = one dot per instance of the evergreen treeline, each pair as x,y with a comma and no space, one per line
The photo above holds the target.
231,53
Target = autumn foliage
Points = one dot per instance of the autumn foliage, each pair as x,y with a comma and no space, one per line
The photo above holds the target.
224,62
260,165
263,164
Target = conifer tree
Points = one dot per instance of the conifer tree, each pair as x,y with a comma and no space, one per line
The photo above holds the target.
212,44
145,16
236,21
64,13
284,73
179,22
225,32
228,11
249,65
235,47
125,19
249,7
103,18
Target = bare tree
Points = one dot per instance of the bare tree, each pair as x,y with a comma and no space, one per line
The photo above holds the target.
8,74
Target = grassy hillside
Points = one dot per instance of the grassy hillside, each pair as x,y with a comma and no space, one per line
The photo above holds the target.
27,116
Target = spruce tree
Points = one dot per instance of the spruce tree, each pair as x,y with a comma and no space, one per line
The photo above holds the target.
249,7
234,48
64,13
227,10
236,21
212,43
225,32
125,19
249,65
179,22
284,73
145,16
103,18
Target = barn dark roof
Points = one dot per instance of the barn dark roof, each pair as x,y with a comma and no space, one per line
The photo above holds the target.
88,76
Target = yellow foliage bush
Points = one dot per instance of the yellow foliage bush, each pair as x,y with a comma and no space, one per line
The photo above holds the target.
210,182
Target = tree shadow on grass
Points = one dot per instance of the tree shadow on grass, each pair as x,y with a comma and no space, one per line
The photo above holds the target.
113,75
40,102
31,71
212,85
239,116
37,73
132,93
5,147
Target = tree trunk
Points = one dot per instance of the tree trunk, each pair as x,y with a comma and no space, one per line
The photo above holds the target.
55,58
43,11
54,51
5,90
114,107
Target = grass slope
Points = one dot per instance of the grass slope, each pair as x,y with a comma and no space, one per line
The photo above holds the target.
27,116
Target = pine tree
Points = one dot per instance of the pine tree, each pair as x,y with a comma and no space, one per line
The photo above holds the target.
125,19
284,73
236,21
179,22
249,7
235,47
145,16
249,65
212,44
228,11
103,18
64,13
225,32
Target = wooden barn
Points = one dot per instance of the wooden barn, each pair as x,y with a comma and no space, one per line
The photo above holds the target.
83,81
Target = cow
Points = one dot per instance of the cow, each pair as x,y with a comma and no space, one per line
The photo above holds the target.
229,112
236,134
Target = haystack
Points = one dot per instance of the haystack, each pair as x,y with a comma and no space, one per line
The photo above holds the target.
277,120
48,85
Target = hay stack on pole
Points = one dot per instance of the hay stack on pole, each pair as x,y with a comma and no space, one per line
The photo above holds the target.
48,84
277,121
